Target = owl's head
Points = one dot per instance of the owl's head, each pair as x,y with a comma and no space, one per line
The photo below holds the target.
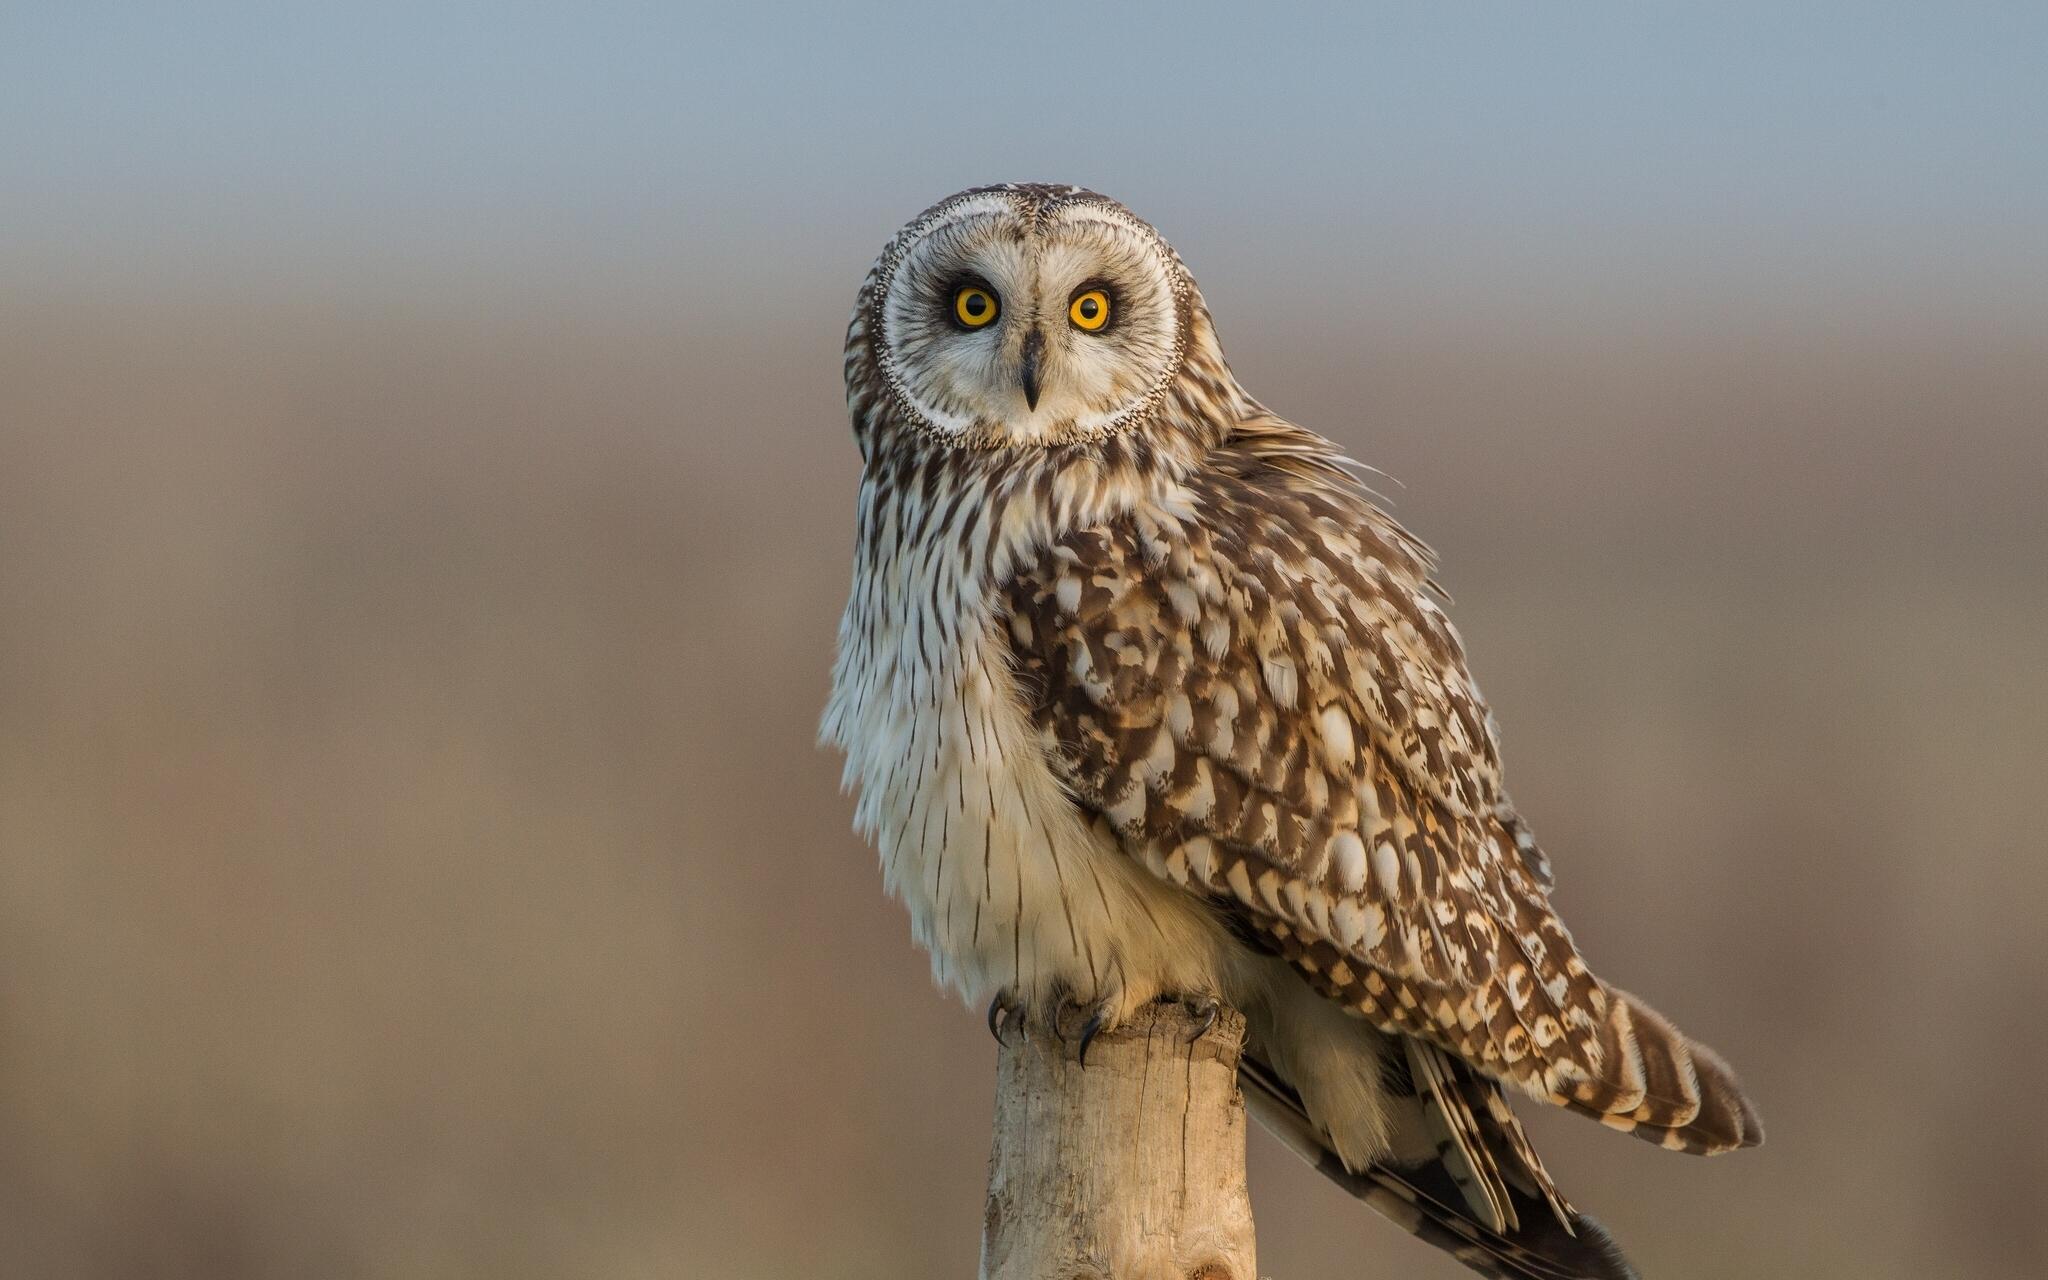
1021,315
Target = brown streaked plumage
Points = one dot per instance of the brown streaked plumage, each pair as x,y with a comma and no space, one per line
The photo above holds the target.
1146,699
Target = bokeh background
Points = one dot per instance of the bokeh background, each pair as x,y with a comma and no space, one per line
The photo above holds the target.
425,505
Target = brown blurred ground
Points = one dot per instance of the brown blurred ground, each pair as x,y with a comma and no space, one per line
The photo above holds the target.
414,860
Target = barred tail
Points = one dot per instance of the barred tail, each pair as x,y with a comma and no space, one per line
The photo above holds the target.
1664,1087
1428,1202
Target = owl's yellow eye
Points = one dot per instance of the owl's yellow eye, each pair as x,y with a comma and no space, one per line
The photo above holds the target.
1090,310
974,306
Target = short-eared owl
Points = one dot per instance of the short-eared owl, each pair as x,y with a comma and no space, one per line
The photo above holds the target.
1145,699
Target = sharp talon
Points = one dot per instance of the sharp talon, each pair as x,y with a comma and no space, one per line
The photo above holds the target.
1093,1025
1209,1011
1003,1013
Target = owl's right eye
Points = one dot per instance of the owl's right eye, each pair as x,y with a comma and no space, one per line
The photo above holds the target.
974,306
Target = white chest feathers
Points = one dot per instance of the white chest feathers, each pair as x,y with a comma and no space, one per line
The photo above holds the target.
1011,886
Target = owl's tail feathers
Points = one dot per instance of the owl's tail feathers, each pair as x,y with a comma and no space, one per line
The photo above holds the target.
1427,1202
1664,1087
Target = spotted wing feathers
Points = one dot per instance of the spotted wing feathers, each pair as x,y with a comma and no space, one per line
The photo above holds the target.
1251,682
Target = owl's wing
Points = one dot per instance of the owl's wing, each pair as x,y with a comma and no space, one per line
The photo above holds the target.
1251,682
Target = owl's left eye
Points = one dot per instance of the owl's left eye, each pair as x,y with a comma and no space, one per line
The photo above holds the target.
974,306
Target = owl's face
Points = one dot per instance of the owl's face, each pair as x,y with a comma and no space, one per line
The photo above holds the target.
1021,316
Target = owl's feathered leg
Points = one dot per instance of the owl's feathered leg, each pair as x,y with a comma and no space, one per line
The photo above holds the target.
1426,1201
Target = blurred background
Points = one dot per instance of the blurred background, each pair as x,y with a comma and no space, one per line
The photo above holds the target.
426,504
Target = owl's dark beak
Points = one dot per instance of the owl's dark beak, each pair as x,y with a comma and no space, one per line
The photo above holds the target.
1034,345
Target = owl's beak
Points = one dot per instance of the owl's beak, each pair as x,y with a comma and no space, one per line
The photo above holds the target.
1034,345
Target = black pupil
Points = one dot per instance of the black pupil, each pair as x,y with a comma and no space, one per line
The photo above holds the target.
975,303
1089,307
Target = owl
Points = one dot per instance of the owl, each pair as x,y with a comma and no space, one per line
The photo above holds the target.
1145,699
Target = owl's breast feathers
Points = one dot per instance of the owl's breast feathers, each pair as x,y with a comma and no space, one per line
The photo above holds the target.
1248,677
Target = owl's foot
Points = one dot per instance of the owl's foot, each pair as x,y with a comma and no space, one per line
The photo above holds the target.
1089,1019
1005,1009
1103,1015
1093,1017
1206,1009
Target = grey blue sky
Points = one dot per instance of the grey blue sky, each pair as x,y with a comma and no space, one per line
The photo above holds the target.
772,142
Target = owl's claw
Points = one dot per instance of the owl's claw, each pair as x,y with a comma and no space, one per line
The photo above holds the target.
1001,1012
1088,1033
1096,1017
1205,1009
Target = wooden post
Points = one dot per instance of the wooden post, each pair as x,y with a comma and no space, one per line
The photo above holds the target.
1130,1168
